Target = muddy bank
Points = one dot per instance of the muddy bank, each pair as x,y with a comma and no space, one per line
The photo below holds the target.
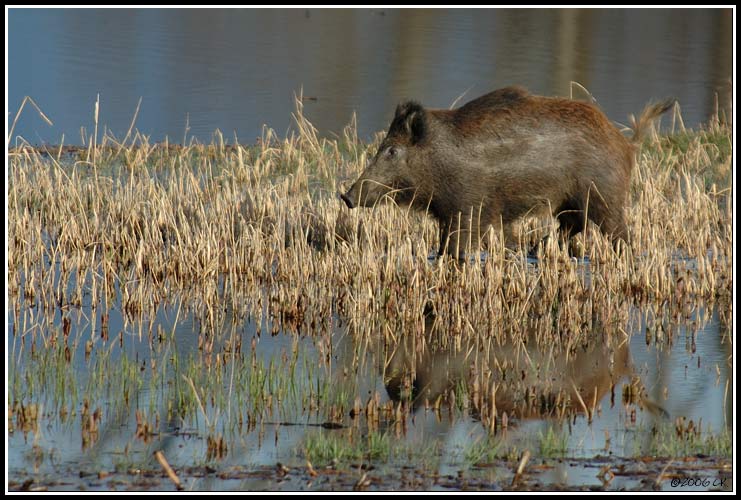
696,473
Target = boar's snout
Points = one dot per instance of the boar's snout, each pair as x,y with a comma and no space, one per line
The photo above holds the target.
346,198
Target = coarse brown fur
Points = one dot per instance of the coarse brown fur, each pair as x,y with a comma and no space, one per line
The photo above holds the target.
502,156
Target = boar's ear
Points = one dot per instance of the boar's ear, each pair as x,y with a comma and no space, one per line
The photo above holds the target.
417,124
410,120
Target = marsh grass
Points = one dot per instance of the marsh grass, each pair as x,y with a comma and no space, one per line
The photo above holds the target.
483,451
684,438
553,443
227,233
324,447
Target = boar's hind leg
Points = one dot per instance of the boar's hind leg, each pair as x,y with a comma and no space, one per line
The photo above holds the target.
571,222
570,215
615,227
610,219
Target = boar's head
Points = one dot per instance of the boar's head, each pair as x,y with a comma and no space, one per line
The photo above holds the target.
397,171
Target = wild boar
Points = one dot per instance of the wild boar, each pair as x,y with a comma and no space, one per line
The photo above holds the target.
500,157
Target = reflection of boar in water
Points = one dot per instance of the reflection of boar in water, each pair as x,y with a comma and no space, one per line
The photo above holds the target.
531,382
500,157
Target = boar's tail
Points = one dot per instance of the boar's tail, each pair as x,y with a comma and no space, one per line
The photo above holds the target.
649,113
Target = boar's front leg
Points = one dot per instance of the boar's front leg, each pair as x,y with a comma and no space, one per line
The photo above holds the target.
456,237
444,235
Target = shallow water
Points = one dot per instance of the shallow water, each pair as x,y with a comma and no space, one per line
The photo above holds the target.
685,368
235,70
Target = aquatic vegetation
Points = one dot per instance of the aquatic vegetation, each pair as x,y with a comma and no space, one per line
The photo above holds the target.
684,438
483,451
330,446
553,443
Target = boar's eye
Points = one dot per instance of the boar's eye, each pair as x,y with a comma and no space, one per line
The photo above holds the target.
391,152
